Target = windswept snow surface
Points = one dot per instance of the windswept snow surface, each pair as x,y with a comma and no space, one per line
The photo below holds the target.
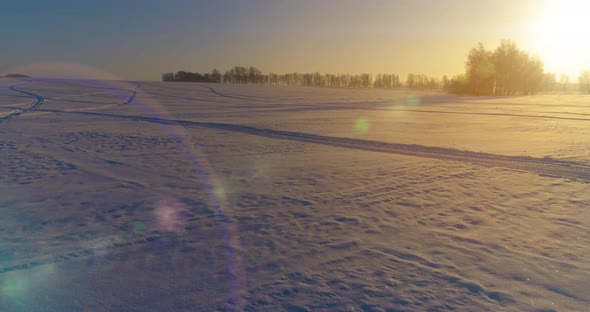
125,196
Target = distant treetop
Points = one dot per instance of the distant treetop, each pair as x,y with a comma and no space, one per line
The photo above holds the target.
17,76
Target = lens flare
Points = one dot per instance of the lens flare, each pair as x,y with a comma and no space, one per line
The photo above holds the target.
16,288
413,101
170,214
138,227
361,125
220,192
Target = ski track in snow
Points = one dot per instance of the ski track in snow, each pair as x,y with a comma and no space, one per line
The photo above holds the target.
542,166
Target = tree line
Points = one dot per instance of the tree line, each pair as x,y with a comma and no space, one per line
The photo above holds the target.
252,75
507,70
214,76
504,71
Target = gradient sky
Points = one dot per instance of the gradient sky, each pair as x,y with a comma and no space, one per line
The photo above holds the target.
142,39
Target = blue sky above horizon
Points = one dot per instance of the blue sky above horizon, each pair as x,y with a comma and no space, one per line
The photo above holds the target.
143,39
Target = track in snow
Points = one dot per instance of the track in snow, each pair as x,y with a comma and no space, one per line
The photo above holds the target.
380,107
543,166
38,100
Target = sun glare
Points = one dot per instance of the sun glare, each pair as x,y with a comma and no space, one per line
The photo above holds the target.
561,36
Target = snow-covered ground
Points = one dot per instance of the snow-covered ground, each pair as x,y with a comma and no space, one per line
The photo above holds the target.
152,196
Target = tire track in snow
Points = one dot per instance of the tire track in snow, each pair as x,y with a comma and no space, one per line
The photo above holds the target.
89,85
542,166
488,114
244,98
391,109
132,96
38,100
372,106
181,97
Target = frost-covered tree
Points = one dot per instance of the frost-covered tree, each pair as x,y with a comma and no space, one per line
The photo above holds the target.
480,67
584,81
563,81
504,71
549,82
215,76
167,77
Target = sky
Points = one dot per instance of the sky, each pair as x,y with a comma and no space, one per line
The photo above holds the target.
141,39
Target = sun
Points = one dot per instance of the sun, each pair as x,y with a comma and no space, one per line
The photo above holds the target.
561,36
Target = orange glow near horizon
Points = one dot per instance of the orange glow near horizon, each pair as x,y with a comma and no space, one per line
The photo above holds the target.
395,37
